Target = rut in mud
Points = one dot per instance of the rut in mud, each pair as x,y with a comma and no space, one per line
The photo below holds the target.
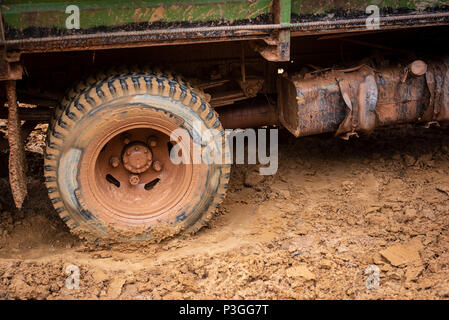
333,209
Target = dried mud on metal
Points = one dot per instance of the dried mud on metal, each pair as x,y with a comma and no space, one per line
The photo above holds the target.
333,209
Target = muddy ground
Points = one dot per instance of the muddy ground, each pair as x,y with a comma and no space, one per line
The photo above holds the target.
333,209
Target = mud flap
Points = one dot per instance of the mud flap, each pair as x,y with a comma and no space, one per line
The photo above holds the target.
17,165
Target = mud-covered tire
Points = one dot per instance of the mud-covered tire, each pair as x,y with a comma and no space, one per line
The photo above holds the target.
128,98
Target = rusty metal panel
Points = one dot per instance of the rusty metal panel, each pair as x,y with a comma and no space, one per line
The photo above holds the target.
400,102
43,18
362,98
318,17
41,25
37,18
307,8
310,106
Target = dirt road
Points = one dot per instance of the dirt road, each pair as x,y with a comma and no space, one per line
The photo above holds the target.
334,209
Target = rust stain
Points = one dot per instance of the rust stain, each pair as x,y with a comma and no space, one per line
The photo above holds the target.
157,15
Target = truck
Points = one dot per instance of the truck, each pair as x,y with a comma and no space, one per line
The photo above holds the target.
115,78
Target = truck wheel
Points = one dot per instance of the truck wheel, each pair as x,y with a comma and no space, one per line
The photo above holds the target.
107,165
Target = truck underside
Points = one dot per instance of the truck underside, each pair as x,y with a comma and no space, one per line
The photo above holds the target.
311,68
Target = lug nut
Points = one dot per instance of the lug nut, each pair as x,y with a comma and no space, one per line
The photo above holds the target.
157,166
134,179
114,161
126,141
152,142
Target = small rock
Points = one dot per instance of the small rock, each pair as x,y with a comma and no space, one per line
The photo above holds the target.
395,274
396,156
393,229
284,193
410,214
347,185
292,249
351,221
431,163
385,268
99,276
54,287
426,284
377,259
115,288
434,267
300,271
302,230
444,291
409,160
373,209
425,158
325,264
376,219
401,255
413,272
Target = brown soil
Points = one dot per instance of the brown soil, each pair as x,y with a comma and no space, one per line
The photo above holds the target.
309,232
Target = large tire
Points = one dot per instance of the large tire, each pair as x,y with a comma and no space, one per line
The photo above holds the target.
88,127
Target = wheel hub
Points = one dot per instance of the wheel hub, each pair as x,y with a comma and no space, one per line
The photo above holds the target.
137,157
132,192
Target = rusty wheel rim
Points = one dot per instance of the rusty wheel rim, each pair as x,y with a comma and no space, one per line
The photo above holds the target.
132,185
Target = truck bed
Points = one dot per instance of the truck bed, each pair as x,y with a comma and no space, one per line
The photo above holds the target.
40,25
